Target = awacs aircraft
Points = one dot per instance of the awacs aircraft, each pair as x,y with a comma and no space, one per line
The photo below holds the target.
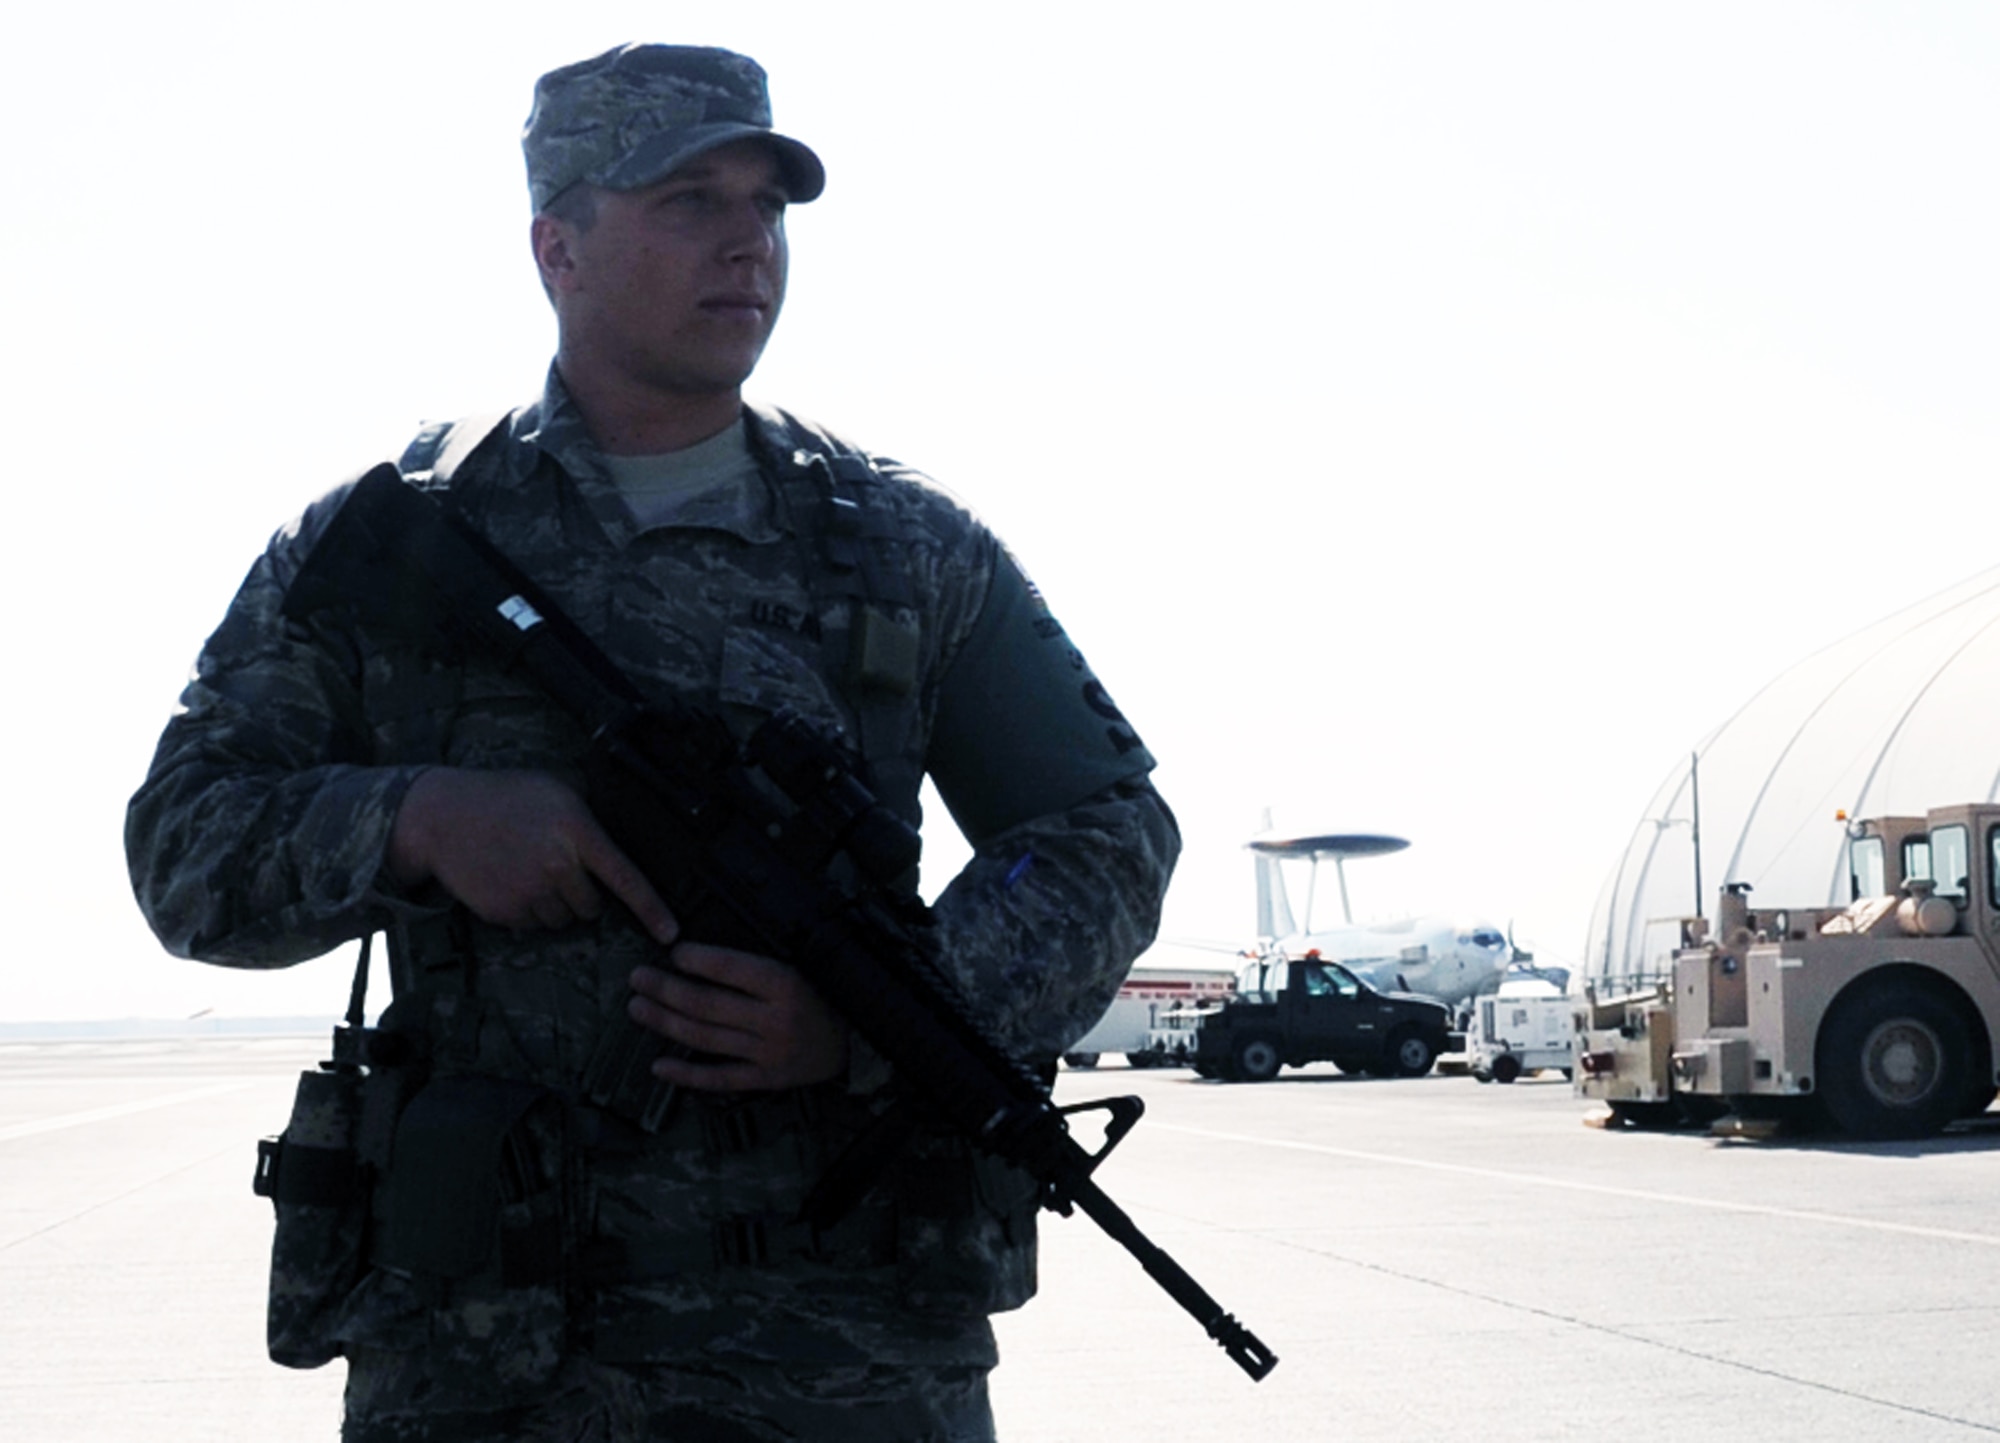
1439,957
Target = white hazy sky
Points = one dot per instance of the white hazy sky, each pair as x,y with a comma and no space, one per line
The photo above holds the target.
1429,417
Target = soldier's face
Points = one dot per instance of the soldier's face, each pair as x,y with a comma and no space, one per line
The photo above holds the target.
676,286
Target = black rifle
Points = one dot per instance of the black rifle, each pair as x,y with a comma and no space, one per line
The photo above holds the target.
773,846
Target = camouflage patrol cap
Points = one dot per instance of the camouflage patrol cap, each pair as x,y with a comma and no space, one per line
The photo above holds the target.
630,116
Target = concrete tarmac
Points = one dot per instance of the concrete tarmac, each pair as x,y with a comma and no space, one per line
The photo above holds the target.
1430,1258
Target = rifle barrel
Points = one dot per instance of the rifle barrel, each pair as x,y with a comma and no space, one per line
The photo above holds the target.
1242,1345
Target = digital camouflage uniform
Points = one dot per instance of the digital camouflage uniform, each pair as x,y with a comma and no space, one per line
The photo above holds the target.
657,1285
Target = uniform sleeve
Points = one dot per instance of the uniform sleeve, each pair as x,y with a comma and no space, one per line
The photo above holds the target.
1073,847
1042,925
259,832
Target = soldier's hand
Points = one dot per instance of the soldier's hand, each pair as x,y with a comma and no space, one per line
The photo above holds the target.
519,849
761,1022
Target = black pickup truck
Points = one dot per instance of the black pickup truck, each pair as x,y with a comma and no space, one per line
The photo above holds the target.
1307,1009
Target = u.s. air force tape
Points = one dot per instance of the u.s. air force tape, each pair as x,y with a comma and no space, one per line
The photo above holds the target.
1023,727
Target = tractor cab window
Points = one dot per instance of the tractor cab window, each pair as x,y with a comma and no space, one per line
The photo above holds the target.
1916,858
1867,871
1951,862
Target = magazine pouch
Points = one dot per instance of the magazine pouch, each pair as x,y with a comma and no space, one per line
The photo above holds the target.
466,1148
317,1186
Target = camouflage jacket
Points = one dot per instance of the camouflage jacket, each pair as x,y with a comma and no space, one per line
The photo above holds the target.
258,838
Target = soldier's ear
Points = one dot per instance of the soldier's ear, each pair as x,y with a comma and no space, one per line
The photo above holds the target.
554,259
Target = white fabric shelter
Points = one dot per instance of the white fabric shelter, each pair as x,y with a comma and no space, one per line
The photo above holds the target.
1898,718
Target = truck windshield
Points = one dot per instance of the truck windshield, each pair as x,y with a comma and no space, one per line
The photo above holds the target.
1866,874
1950,861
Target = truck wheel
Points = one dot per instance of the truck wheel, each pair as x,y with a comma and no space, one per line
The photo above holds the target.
1892,1061
1410,1054
1080,1059
1506,1068
1257,1059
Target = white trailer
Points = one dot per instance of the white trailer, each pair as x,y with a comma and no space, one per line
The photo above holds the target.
1148,994
1514,1032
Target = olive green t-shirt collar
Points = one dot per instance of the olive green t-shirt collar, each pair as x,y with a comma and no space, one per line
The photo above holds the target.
740,503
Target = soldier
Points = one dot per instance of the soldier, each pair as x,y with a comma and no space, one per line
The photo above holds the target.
534,1266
